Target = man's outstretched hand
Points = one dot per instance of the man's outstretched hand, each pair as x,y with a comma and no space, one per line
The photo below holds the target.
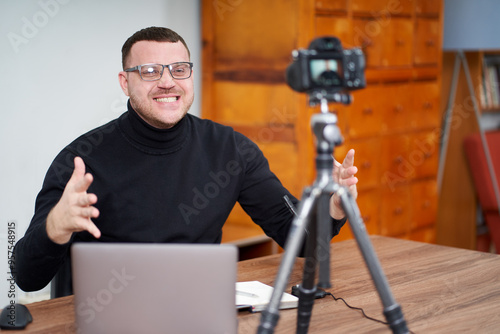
344,174
74,211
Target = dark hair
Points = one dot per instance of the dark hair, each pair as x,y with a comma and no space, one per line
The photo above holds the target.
157,34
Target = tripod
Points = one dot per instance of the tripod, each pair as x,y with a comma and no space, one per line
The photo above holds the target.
313,220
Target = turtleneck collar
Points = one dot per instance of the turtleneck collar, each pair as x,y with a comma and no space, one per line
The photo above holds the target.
150,139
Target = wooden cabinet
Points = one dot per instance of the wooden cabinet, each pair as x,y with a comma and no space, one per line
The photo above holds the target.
393,124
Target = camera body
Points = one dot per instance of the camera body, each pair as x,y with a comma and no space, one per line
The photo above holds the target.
326,66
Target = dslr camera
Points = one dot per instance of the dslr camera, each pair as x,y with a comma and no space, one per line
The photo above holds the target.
326,68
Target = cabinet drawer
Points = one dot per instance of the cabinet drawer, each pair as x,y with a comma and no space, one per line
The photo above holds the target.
236,47
427,46
424,201
424,154
340,27
396,211
397,43
396,108
364,114
425,110
386,43
369,36
369,206
367,159
395,166
254,104
428,7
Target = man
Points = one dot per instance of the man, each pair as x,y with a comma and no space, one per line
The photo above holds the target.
155,174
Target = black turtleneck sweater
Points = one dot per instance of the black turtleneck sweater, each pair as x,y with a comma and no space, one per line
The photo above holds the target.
176,185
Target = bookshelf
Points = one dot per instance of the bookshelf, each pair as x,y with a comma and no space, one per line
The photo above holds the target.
489,94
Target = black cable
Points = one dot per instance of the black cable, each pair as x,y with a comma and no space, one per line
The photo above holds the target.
321,293
357,308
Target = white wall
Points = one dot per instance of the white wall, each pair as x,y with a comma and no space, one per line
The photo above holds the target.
59,65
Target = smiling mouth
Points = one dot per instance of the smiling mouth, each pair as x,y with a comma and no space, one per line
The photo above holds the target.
167,99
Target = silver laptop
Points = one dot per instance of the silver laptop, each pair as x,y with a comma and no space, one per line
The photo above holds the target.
154,288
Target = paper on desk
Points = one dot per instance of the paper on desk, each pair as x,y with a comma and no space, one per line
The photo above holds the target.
257,295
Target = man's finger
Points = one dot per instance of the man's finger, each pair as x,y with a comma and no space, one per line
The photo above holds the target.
78,170
81,180
89,212
348,172
349,159
86,199
352,181
92,229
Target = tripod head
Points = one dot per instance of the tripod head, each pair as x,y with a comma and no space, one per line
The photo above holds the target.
324,124
323,95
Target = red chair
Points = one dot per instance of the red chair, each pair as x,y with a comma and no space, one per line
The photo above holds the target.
483,181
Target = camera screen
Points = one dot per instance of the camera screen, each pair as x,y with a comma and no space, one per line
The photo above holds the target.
326,72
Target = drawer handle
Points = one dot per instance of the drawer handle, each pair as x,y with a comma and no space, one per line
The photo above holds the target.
367,111
427,105
398,159
398,211
366,219
366,165
367,42
398,109
430,42
400,42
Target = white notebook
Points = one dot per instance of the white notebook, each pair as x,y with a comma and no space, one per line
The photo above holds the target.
255,296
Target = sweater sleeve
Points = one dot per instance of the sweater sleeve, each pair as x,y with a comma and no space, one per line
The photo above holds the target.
262,196
37,257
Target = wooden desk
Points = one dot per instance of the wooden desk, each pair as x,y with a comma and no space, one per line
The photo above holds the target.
251,242
441,290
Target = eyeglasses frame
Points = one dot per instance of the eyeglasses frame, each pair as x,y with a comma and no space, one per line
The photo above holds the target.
169,66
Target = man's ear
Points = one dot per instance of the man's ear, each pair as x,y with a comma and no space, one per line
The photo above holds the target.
122,78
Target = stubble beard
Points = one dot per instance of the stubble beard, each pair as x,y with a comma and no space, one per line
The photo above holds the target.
147,113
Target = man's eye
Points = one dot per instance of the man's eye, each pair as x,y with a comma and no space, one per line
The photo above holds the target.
150,71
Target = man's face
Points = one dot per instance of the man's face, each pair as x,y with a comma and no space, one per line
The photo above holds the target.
164,102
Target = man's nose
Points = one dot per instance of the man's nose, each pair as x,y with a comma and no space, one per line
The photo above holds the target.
166,80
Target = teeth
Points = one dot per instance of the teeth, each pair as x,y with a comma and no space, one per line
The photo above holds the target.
167,99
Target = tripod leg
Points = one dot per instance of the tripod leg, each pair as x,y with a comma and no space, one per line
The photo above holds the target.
270,315
324,237
307,289
392,310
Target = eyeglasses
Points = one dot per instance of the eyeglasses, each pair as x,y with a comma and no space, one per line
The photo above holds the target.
153,72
